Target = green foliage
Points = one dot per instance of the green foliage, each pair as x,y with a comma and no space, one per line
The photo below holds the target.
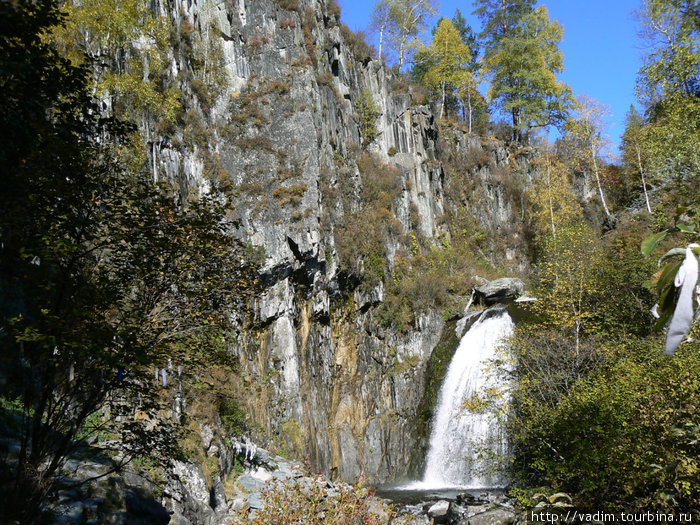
367,112
499,17
106,31
623,437
523,61
233,416
668,87
568,287
104,278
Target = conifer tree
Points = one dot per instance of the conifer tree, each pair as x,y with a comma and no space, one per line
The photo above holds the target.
522,57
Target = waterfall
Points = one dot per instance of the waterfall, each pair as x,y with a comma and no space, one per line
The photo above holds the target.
465,445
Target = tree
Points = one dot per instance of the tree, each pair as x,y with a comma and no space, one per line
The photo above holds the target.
103,277
553,201
499,18
523,60
568,284
669,87
407,20
450,58
632,144
368,112
466,92
379,22
586,130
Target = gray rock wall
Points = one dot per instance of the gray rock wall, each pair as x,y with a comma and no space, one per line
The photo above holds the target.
283,125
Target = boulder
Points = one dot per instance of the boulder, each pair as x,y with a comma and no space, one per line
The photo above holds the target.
491,517
438,512
501,290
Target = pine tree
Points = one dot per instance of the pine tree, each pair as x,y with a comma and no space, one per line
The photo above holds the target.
523,66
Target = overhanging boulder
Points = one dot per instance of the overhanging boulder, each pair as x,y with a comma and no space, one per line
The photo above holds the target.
501,290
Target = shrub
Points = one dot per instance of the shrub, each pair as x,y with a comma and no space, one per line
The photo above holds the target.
287,23
333,9
476,157
368,112
357,42
325,79
308,501
309,24
624,437
362,237
233,416
288,5
256,142
290,195
258,40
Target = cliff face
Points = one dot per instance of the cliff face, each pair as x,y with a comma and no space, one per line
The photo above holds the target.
281,132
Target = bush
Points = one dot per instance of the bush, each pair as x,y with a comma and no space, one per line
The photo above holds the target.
290,195
624,437
308,501
357,42
368,112
233,416
288,5
362,237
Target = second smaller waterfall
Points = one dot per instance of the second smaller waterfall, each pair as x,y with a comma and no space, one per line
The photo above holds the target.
462,441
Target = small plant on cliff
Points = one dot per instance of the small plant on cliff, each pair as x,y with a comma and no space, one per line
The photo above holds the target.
367,112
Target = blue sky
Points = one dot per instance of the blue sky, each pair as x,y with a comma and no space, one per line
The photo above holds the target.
602,52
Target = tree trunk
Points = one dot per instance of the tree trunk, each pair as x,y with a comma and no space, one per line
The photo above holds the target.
442,106
381,41
644,183
597,179
549,191
469,104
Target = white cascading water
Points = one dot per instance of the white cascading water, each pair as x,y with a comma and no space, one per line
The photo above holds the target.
463,444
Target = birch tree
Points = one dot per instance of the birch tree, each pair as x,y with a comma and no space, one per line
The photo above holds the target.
380,20
632,148
587,132
407,20
553,203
